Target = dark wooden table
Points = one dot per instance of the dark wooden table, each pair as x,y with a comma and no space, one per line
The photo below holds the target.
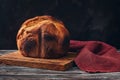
25,73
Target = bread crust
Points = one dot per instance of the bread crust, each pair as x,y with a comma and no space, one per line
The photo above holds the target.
43,37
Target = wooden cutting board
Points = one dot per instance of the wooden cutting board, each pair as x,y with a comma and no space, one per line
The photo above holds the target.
16,59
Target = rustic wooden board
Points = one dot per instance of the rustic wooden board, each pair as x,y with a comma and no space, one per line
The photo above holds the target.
16,59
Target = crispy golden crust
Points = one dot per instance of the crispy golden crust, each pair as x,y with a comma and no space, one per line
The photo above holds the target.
43,36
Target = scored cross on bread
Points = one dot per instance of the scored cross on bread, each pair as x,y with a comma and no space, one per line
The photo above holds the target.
43,37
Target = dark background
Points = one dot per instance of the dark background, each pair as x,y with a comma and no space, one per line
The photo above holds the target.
85,19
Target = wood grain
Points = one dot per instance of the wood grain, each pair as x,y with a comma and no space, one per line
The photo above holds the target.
25,73
15,58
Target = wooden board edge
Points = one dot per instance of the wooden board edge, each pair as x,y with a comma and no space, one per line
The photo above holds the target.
57,67
36,65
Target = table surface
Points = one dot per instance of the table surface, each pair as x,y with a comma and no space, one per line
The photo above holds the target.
22,73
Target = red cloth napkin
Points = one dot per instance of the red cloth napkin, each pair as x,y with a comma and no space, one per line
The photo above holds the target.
96,56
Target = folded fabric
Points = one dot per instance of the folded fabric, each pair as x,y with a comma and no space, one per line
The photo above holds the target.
96,56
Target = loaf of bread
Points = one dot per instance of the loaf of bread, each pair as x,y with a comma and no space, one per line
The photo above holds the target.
43,37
